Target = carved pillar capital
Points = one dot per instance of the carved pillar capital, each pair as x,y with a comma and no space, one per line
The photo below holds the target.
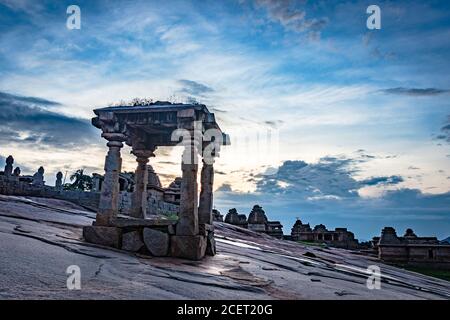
143,155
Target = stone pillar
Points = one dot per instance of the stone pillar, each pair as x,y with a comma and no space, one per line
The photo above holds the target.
9,166
58,184
95,183
109,197
206,194
188,217
139,200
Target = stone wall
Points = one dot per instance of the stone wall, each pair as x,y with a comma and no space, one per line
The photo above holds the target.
432,256
155,205
412,250
87,199
14,187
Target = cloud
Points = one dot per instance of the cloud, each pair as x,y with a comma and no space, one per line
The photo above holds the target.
293,18
274,124
382,180
194,88
415,92
226,187
329,177
28,120
32,101
327,192
446,131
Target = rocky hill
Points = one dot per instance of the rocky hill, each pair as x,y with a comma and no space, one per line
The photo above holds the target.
41,237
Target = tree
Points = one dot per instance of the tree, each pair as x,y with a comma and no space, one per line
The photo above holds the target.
82,181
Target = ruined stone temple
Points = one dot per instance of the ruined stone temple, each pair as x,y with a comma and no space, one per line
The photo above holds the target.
217,216
339,237
412,250
160,200
144,128
234,218
257,221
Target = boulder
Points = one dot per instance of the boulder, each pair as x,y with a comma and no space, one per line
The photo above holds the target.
157,242
131,241
188,247
105,236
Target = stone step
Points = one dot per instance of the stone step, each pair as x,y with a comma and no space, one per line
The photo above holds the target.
124,222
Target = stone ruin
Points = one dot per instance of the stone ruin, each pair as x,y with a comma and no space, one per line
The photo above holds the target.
144,128
339,237
160,200
34,186
257,221
234,218
412,250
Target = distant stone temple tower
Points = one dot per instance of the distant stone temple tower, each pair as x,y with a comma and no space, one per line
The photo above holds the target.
9,167
339,237
413,250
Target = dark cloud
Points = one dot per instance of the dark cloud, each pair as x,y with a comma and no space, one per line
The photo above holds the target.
27,100
27,120
445,132
415,92
331,177
382,180
288,14
194,88
274,124
226,187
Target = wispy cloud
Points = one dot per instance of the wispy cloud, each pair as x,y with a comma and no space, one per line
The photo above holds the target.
292,17
194,88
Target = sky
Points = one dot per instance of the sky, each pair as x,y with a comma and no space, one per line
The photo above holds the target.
330,122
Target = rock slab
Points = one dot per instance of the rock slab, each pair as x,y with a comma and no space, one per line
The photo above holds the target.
105,236
157,242
131,241
188,247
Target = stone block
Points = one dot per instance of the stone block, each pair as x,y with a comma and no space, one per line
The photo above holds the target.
105,236
204,228
188,247
210,244
131,241
157,242
171,229
125,222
